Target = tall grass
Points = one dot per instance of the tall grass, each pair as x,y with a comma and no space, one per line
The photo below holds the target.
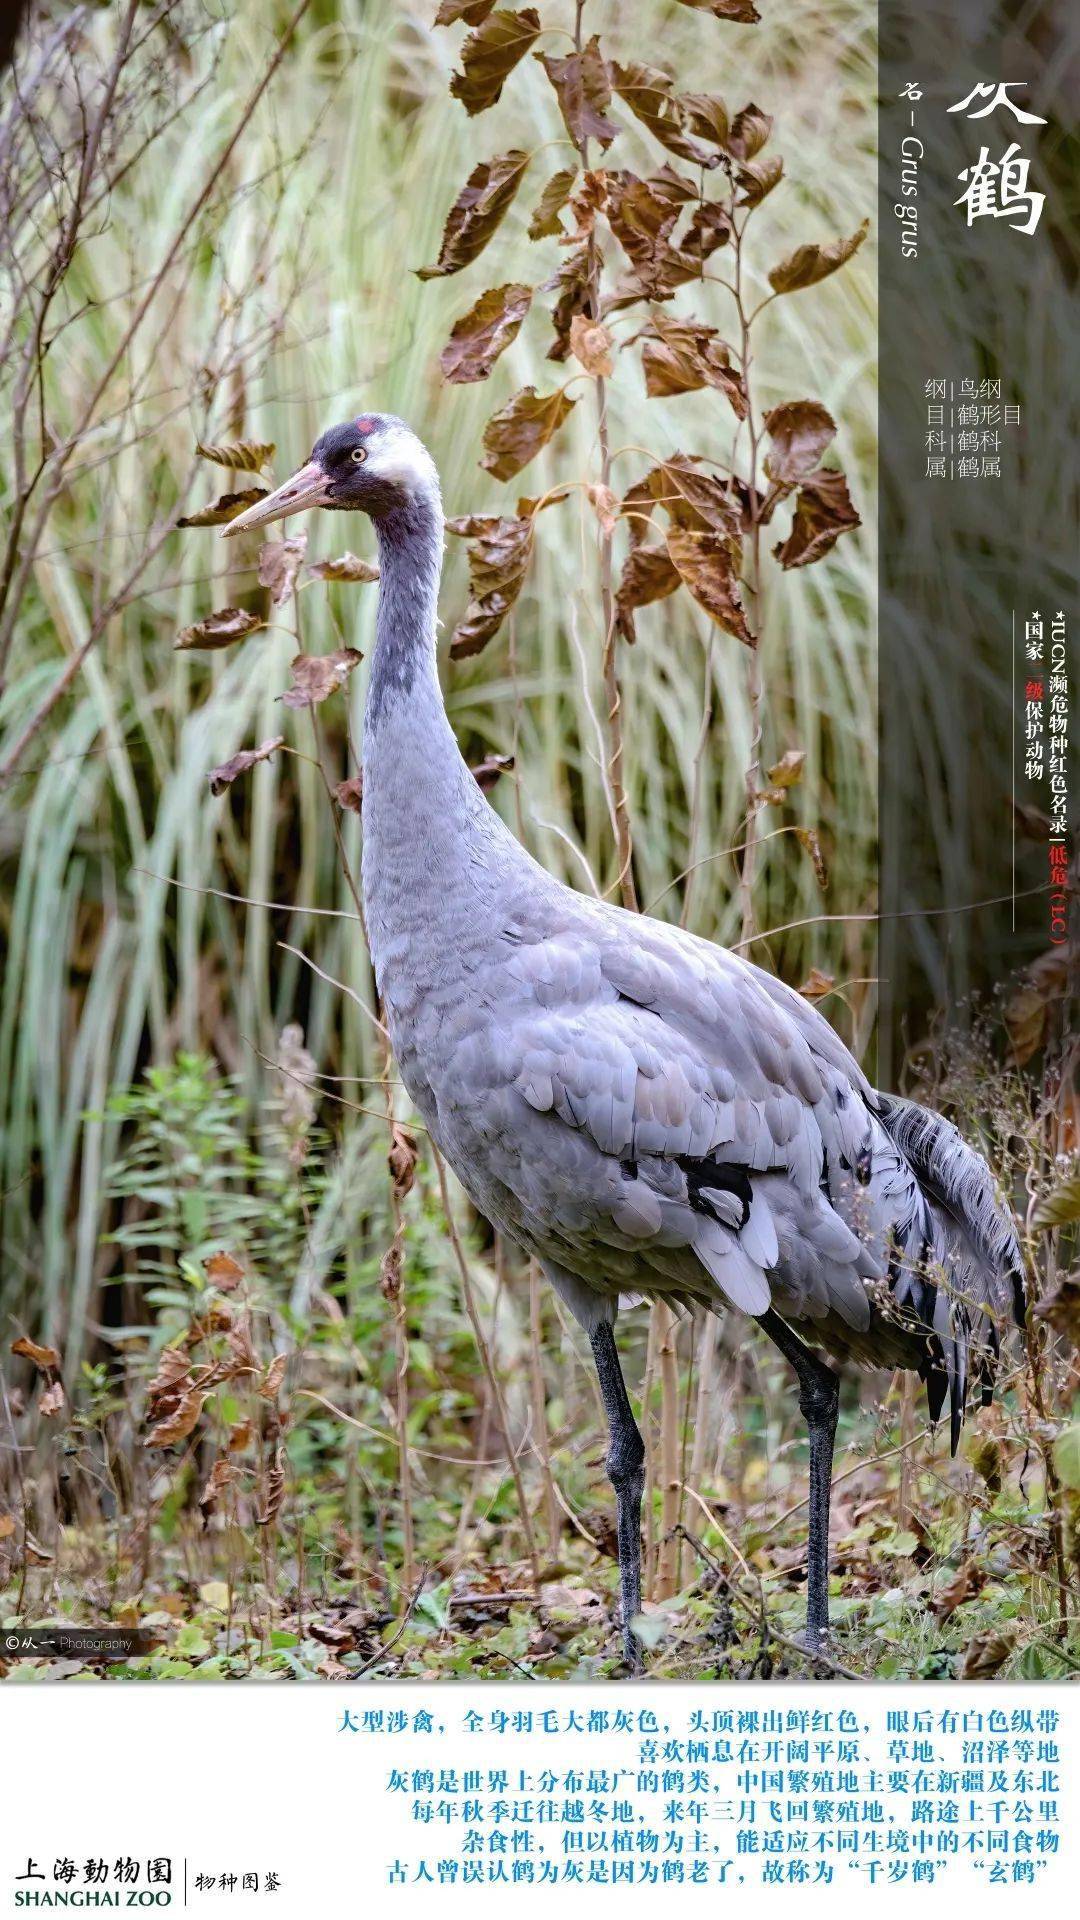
117,952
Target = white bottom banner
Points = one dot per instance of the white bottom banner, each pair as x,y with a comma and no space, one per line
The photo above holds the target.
297,1801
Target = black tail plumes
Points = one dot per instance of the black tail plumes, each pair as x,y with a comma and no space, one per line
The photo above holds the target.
973,1243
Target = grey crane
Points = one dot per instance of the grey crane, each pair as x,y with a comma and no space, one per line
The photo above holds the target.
646,1113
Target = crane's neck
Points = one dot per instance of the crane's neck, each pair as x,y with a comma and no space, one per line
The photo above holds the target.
427,829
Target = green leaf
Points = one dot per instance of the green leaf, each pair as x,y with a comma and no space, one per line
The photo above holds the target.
191,1640
1067,1456
1061,1206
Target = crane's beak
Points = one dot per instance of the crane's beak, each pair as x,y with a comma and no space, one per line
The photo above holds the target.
308,488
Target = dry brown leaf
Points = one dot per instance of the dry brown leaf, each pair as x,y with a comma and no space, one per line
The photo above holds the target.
490,54
758,179
471,11
710,227
390,1271
681,356
743,12
693,498
477,212
545,221
243,456
491,769
573,283
270,1384
968,1580
709,565
807,265
498,562
217,630
606,504
225,509
279,564
642,215
582,86
346,567
647,91
1027,1009
7,1525
178,1424
241,1433
315,676
986,1655
788,769
749,131
221,1476
170,1384
478,338
516,434
648,574
808,840
402,1159
52,1400
706,115
230,770
591,344
817,984
350,793
46,1359
275,1490
800,431
823,511
224,1272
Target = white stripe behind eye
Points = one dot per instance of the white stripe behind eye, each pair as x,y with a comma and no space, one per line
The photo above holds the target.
398,456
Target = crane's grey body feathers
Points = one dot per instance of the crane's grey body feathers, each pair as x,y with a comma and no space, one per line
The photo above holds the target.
643,1111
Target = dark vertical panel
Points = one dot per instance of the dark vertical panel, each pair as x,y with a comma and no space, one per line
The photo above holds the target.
964,555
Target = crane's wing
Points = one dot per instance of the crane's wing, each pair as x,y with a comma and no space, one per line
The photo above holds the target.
729,1122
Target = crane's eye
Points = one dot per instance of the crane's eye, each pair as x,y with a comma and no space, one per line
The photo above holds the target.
358,454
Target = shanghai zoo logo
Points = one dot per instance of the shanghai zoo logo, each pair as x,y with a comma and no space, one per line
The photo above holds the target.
96,1883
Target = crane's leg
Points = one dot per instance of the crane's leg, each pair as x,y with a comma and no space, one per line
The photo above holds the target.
819,1399
626,1471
